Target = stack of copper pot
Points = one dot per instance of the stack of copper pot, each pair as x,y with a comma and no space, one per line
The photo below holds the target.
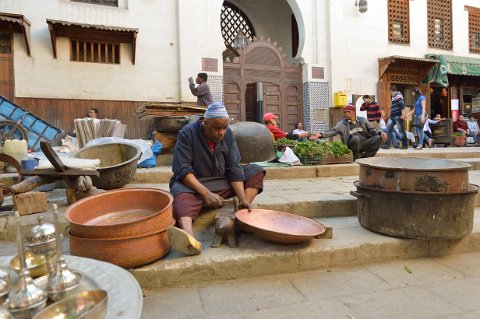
125,227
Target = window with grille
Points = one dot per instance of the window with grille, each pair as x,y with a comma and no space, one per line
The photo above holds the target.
5,43
112,3
474,29
398,25
440,24
96,52
232,19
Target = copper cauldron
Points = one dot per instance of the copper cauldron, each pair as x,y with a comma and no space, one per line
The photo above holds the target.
121,213
254,141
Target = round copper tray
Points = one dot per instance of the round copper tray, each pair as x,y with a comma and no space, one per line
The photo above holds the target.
280,227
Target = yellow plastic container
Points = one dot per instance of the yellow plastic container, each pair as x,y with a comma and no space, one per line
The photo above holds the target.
339,99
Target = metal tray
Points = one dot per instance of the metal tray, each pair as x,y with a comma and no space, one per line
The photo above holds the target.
124,293
280,227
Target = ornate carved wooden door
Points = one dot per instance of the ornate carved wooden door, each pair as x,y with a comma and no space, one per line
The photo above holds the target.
6,66
262,61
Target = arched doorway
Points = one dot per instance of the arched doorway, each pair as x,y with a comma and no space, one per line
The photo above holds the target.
261,70
261,73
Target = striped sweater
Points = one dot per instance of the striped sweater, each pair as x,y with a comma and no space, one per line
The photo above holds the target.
397,104
373,111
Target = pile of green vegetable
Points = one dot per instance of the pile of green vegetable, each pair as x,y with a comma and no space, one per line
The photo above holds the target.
311,149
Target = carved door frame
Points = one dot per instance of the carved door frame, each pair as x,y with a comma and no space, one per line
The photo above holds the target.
263,61
7,81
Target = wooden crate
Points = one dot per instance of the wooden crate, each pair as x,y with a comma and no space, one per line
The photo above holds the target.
325,160
344,159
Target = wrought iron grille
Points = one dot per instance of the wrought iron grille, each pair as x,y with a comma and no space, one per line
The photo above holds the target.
474,30
112,3
398,25
5,43
232,19
440,24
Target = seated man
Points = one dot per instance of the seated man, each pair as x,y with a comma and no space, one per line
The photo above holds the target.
299,130
206,168
358,134
270,121
460,126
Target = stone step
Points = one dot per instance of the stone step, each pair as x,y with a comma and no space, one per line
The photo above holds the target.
471,155
311,197
351,244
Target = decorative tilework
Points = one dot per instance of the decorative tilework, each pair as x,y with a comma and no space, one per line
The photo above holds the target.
315,106
215,82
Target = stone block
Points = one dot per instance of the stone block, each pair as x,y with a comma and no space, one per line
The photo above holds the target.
30,203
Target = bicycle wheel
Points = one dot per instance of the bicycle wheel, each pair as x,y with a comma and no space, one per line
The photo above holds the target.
10,130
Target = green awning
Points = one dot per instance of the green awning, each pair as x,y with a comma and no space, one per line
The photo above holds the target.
450,64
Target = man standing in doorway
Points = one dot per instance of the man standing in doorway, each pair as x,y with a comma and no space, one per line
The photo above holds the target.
396,117
373,110
202,91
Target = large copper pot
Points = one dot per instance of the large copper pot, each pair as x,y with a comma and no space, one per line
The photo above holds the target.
124,252
254,141
413,174
121,213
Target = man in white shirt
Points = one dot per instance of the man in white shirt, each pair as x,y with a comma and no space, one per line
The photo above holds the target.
474,129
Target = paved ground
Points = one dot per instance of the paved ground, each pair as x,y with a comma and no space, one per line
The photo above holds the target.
433,288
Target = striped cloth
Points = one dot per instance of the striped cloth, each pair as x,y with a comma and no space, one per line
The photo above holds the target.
397,104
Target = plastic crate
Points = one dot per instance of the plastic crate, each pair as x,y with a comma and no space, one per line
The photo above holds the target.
325,160
37,129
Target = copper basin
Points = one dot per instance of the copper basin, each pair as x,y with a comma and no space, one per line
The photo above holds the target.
125,252
280,227
413,174
121,213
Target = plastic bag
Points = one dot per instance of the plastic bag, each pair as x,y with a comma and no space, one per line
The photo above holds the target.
152,161
289,157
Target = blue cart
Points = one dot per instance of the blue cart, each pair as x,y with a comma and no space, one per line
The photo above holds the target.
18,123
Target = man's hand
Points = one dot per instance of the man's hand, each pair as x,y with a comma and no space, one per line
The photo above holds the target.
190,79
303,135
314,136
384,136
212,200
403,117
245,204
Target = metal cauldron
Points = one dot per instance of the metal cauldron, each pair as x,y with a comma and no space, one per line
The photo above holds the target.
414,174
118,163
172,124
254,141
418,215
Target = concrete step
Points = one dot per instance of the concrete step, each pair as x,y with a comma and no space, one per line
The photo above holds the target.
311,197
471,155
351,244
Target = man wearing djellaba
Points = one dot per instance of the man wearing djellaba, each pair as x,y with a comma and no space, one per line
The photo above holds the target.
206,169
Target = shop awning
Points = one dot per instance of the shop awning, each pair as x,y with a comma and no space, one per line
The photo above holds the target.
16,23
92,32
422,65
450,64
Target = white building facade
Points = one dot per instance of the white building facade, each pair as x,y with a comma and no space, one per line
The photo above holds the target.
67,56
